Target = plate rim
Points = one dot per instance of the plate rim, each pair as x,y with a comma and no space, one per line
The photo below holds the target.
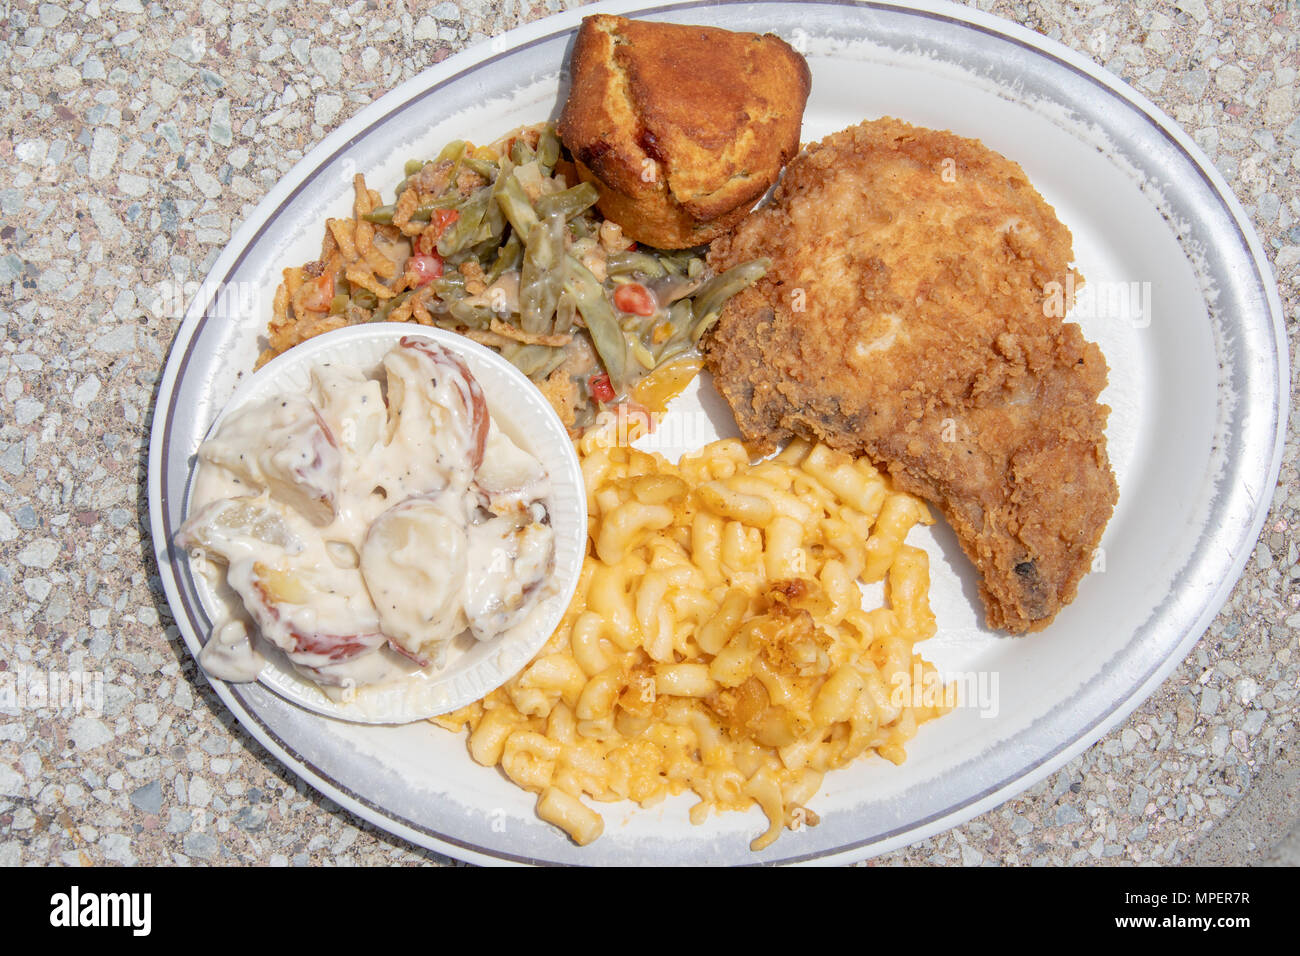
564,22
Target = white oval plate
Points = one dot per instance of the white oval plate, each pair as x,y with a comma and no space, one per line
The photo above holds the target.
1198,384
517,408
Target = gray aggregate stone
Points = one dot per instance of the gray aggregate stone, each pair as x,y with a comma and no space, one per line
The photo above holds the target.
103,152
148,797
200,845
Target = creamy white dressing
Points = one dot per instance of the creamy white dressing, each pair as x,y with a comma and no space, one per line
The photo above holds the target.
229,653
508,557
365,527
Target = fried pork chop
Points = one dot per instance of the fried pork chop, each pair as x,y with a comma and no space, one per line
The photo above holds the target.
912,313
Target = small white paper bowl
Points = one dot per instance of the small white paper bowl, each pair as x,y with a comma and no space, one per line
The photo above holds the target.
471,668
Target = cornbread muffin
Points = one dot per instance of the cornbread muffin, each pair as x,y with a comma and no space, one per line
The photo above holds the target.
681,128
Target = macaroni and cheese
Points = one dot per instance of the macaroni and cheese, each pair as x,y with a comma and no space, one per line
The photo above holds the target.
718,641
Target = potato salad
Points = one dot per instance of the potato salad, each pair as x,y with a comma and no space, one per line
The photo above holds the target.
368,524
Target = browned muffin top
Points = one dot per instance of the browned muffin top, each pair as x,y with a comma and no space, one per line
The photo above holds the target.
682,128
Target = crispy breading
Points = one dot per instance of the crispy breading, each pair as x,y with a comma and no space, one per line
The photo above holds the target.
905,316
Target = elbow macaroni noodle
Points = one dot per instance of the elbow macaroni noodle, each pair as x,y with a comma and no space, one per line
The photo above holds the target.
717,641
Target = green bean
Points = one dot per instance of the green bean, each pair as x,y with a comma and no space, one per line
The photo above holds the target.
364,298
484,167
424,211
672,349
583,226
474,315
450,286
412,167
481,252
521,152
558,355
541,279
680,319
339,304
642,354
509,256
589,296
535,361
675,260
448,322
626,263
569,202
548,148
566,313
462,232
713,295
494,223
381,313
702,326
451,279
516,354
514,202
453,150
671,289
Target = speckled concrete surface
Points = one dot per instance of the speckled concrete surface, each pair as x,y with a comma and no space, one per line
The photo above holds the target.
136,136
